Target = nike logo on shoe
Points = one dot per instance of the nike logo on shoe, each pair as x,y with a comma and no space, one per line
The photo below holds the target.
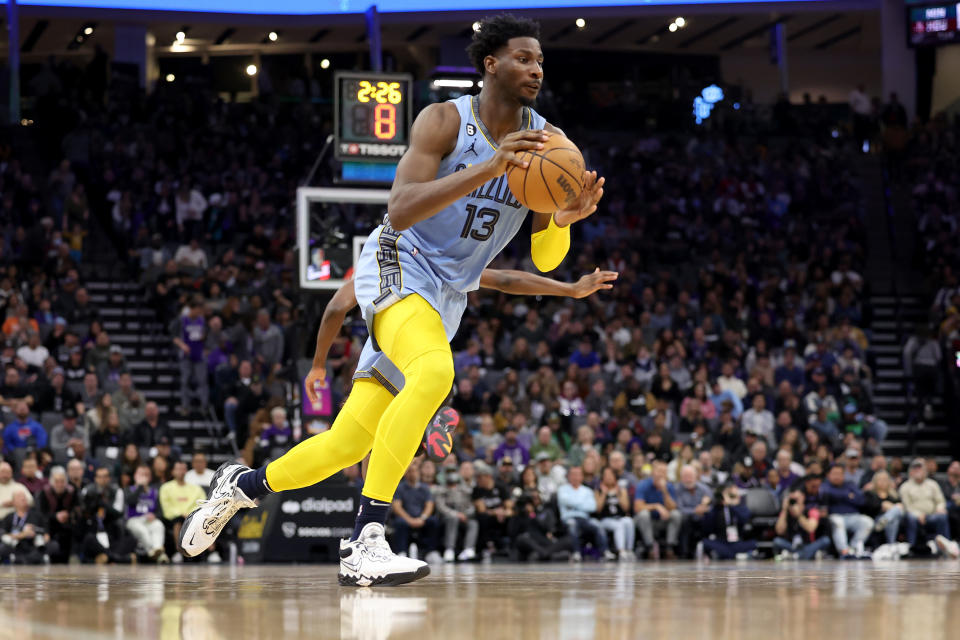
379,504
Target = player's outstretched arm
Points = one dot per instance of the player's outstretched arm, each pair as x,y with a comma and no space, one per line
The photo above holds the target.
523,283
417,193
337,309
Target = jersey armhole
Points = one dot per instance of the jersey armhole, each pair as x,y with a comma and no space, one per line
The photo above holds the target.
459,142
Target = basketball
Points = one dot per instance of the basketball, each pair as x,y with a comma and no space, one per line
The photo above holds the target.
554,177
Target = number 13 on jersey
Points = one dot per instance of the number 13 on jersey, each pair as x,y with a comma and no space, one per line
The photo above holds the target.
485,216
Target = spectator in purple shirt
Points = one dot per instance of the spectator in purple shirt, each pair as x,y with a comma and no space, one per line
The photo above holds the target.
790,370
189,336
143,503
585,356
512,448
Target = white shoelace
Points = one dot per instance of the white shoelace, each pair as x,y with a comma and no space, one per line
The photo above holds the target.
222,511
378,548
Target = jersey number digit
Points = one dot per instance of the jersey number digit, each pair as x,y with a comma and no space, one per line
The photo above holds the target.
487,217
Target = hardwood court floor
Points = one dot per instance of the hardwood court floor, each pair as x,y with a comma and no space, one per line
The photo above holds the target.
802,601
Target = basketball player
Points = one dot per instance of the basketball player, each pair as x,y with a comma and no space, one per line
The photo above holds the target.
450,213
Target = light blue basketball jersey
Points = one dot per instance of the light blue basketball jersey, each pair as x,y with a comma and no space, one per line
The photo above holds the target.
441,258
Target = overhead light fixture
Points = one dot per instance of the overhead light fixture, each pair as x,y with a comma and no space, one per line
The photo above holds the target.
325,63
476,26
181,36
171,77
673,27
79,38
680,22
273,36
581,23
251,69
457,83
88,31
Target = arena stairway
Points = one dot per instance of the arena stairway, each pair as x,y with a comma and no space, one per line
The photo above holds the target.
150,357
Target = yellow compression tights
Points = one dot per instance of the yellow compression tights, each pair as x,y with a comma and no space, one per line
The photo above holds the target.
411,333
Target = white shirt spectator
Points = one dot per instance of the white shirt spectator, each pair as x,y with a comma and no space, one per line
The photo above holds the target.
33,356
733,384
860,102
200,479
192,208
760,422
191,256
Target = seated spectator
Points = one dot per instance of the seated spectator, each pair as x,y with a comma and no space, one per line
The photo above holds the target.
24,431
95,417
796,528
101,532
852,471
191,256
56,397
724,526
30,475
152,428
549,476
613,512
33,353
494,508
546,444
129,403
63,433
882,503
267,344
112,369
413,507
511,448
107,441
656,511
951,492
90,392
56,504
278,435
8,486
926,509
457,510
685,457
790,370
199,474
75,472
787,472
759,419
534,532
693,502
844,502
584,443
178,498
143,506
103,485
719,396
20,530
127,464
577,502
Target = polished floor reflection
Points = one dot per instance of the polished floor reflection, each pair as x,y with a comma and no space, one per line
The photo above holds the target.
801,601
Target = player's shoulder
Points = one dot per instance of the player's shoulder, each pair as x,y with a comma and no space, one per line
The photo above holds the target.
437,126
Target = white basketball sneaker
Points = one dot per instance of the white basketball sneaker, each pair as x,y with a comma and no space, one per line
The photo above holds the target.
369,561
205,523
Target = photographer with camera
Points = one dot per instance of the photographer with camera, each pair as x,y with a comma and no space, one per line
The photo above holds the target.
724,525
102,533
796,529
535,531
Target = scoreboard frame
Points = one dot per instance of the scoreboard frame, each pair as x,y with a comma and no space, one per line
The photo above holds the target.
346,149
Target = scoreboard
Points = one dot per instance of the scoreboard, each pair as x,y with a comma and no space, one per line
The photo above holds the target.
372,116
933,24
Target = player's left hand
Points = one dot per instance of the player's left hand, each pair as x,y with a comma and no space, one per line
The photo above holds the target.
586,204
316,378
593,282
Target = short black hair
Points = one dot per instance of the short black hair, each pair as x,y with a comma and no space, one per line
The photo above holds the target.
495,32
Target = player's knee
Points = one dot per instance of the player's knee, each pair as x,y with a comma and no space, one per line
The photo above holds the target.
434,375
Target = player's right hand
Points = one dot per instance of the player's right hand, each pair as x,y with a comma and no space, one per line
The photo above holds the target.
316,378
512,147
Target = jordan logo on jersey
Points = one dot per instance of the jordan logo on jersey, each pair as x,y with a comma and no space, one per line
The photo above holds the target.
472,147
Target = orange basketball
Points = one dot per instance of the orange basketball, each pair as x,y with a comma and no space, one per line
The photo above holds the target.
554,178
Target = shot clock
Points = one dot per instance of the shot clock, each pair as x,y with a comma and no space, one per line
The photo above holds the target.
372,116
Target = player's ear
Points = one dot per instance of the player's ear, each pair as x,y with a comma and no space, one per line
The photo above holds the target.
490,64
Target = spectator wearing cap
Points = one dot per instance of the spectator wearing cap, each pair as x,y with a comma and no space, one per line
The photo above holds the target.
7,488
852,470
493,507
112,370
128,402
23,431
656,510
926,508
33,353
189,334
511,448
457,510
844,503
55,397
507,474
549,475
152,428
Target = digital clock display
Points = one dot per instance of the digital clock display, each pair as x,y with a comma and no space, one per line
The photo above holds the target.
934,25
372,116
